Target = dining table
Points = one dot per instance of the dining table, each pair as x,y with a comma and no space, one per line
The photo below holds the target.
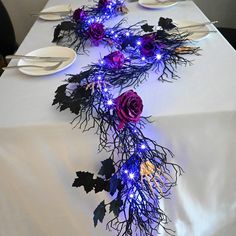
193,115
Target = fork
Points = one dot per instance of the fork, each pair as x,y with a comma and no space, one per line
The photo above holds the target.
34,66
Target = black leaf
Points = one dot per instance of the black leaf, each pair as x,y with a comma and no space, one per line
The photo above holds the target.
166,23
107,168
75,107
67,25
84,179
57,32
60,94
99,213
100,185
115,206
147,28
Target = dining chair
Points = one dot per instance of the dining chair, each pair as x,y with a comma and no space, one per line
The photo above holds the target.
8,44
229,34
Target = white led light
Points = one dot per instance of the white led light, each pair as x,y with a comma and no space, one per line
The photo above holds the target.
131,175
158,56
105,89
109,102
127,34
143,146
126,171
143,58
139,43
131,195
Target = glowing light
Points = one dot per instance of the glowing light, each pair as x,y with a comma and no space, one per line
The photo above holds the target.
143,146
105,89
109,102
99,77
158,56
143,58
131,175
131,195
126,171
139,43
102,62
127,34
112,32
116,36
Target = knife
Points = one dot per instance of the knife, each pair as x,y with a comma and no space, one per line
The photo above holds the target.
38,58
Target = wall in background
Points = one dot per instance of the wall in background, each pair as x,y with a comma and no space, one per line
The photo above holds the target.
222,10
19,11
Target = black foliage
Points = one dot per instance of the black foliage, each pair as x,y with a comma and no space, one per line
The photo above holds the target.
166,23
99,213
86,180
64,26
147,28
107,168
115,206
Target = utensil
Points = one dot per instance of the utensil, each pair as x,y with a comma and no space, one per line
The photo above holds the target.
51,13
38,58
198,25
203,31
53,67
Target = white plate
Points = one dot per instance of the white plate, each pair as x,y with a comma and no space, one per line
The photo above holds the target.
56,8
195,36
54,51
154,4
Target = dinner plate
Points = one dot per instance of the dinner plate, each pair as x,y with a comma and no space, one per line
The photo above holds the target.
154,4
52,17
53,51
196,36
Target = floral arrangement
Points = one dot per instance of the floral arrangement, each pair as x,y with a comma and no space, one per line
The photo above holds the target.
137,172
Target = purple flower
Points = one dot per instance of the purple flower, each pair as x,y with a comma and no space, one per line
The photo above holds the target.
79,14
129,107
148,46
114,60
103,3
96,32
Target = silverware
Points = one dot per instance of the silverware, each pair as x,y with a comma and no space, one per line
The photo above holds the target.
51,13
202,31
38,58
198,25
34,66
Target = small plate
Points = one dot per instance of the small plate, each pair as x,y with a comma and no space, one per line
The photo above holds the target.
54,17
54,51
154,4
197,35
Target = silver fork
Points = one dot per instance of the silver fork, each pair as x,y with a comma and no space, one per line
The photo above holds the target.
53,67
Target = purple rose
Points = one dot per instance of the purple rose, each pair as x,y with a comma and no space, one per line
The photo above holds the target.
148,46
114,60
96,32
103,3
79,14
129,107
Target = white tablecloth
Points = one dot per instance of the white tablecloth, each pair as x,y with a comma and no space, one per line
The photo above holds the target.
194,117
